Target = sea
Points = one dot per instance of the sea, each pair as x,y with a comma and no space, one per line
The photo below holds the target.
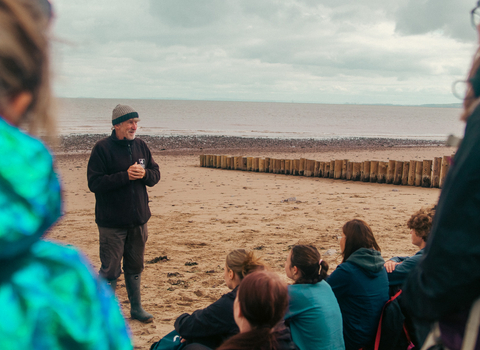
263,119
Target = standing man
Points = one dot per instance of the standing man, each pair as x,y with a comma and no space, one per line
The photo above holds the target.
119,169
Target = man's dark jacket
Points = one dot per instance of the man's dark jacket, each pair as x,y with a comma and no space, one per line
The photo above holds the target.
120,202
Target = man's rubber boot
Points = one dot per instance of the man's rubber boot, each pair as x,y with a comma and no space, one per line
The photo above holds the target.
132,282
113,284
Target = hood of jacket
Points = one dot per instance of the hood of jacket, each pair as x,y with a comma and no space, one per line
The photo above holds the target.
369,260
30,195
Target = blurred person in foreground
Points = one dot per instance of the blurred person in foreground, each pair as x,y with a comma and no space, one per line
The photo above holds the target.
446,282
49,296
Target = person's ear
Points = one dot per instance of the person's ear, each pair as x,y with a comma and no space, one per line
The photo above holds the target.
231,274
295,270
17,107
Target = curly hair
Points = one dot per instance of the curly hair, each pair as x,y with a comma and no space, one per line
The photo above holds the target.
421,221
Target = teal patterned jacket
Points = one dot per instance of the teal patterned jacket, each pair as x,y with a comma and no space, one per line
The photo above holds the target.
50,298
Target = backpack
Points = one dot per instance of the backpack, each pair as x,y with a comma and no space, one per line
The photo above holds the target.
391,332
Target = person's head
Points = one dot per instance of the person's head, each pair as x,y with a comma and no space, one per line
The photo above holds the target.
420,224
240,263
261,302
25,92
124,121
305,266
472,96
356,234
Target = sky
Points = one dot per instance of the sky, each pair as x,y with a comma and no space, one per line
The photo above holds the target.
406,52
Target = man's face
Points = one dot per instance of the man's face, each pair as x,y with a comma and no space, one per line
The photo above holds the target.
126,129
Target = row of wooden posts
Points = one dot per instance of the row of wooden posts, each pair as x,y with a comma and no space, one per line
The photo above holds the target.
425,173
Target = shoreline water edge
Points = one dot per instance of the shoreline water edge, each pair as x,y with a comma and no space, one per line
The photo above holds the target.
198,144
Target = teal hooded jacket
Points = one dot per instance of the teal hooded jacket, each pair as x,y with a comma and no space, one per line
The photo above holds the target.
49,296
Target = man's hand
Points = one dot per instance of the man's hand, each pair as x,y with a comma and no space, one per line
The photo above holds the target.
390,265
136,172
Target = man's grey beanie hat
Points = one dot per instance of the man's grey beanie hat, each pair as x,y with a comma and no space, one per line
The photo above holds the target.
121,113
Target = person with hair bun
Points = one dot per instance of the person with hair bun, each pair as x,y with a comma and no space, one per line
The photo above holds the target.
213,325
398,267
313,313
360,284
259,308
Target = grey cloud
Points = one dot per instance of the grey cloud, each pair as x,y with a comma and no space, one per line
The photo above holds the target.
420,17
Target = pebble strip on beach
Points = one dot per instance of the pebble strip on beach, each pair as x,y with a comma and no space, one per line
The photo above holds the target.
84,143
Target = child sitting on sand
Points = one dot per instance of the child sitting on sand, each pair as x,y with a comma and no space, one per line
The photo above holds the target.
360,284
213,325
398,267
313,313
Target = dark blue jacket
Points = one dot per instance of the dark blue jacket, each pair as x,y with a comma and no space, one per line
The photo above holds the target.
361,287
399,275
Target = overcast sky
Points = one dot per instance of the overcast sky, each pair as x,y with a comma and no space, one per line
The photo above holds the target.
324,51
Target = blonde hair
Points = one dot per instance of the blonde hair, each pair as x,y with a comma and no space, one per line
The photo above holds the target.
24,61
242,262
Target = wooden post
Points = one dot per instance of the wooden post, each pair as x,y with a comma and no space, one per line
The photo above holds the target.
411,173
219,161
271,168
344,169
235,164
437,167
338,168
390,172
249,163
382,172
427,173
445,166
316,169
267,164
374,171
261,165
397,179
214,161
332,169
326,173
255,164
287,167
348,175
418,173
244,163
406,167
356,171
321,169
223,162
292,166
229,162
301,167
296,166
282,166
311,167
366,171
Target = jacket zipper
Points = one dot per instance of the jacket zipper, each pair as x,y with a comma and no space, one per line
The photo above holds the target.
131,182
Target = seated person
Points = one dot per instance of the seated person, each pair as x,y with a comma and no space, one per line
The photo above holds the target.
360,284
398,267
259,309
313,313
214,324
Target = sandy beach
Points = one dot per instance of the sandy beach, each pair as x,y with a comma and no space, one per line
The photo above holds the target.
200,214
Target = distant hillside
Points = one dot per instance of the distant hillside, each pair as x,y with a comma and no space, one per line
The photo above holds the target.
447,105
